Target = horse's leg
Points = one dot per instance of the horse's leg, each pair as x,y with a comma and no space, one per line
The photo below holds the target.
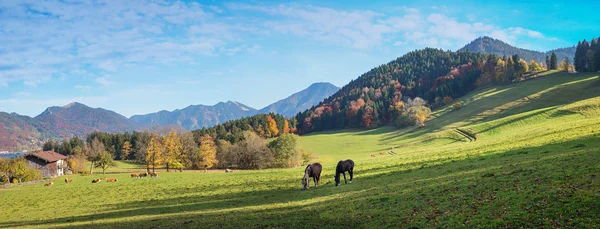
351,172
345,182
315,180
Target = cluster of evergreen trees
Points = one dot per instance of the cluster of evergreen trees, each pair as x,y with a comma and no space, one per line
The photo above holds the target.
264,125
587,56
379,96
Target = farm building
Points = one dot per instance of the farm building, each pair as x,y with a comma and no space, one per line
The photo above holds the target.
50,163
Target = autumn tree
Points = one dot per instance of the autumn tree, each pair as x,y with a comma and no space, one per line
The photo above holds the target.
95,149
125,150
272,126
225,156
367,117
415,113
154,152
286,126
104,161
565,65
189,149
534,66
252,152
208,152
173,151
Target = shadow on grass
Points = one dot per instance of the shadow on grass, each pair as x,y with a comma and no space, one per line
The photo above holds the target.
506,188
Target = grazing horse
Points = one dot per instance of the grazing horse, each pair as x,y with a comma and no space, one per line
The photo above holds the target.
312,170
343,167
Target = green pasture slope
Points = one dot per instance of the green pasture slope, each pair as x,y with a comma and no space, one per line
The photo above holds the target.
535,163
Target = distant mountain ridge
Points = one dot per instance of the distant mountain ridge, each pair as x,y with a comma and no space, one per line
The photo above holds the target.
199,116
75,119
302,100
490,45
195,116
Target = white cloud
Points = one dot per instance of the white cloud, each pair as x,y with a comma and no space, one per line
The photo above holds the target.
399,43
471,17
104,81
83,87
359,29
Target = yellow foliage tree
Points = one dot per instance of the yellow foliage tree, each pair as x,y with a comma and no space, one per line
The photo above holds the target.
125,150
272,125
154,153
173,151
208,152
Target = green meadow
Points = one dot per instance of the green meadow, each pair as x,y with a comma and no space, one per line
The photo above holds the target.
535,163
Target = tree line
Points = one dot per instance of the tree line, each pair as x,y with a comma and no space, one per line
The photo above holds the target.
404,90
587,56
235,144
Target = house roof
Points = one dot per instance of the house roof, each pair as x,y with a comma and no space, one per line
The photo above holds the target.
49,156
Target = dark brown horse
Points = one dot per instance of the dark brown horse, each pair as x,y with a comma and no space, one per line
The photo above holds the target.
312,170
343,167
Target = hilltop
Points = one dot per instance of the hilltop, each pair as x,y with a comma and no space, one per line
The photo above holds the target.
490,45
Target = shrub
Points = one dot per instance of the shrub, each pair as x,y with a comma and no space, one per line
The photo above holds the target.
457,106
447,100
4,179
285,151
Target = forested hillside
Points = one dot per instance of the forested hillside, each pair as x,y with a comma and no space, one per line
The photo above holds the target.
384,94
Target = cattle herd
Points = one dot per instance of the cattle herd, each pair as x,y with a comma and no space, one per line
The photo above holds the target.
110,180
144,175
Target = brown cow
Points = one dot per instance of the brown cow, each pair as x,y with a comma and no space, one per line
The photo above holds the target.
382,153
67,180
143,174
154,174
135,175
49,184
372,155
95,181
112,180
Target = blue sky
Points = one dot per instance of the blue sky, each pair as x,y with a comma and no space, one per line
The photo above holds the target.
142,56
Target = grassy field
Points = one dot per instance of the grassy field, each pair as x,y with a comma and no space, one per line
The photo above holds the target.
535,164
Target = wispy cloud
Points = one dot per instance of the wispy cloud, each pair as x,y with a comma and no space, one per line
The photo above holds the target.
42,38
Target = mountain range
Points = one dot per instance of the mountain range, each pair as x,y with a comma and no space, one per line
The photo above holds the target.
490,45
76,119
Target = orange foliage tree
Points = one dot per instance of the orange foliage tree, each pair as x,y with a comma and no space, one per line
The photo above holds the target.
286,127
